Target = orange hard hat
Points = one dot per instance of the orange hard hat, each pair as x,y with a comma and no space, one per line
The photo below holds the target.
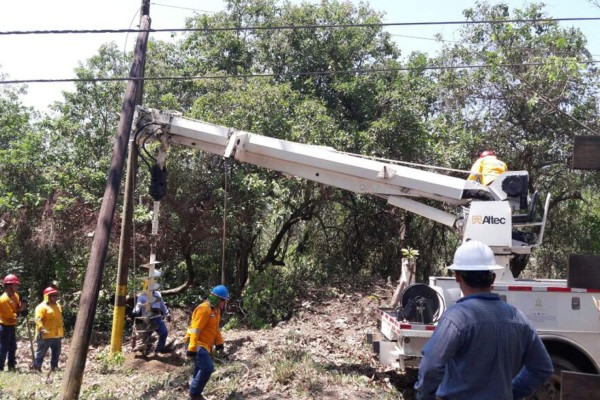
10,279
50,290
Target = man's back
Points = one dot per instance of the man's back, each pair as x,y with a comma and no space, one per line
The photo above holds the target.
486,169
157,305
479,346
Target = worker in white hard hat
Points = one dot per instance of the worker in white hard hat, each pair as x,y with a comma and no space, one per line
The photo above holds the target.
482,347
154,313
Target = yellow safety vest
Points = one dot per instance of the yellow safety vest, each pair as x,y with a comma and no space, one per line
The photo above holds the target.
9,307
49,320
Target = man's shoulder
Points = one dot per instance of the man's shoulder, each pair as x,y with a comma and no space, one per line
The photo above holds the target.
457,314
157,296
5,298
204,304
470,306
468,313
203,307
42,308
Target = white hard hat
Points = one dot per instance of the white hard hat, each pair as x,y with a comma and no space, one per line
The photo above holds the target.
474,256
157,273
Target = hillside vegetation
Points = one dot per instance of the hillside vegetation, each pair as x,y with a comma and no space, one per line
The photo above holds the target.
320,353
524,88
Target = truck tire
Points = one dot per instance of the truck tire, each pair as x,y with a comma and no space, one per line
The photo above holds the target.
551,389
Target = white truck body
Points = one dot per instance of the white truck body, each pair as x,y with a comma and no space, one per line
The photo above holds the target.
567,319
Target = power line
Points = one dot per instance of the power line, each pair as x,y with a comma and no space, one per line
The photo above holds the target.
424,38
183,8
284,74
294,27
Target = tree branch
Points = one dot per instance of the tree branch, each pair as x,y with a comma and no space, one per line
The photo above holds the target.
189,266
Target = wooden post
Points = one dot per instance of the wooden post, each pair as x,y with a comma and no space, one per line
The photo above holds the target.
407,278
73,376
126,239
125,253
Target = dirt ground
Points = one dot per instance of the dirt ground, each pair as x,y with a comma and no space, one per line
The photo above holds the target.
319,353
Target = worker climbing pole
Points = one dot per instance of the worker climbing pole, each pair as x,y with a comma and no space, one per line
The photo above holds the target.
145,322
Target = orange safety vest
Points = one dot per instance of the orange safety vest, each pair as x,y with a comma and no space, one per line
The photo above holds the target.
204,328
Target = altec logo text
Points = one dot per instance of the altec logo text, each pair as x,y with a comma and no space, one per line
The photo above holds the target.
488,219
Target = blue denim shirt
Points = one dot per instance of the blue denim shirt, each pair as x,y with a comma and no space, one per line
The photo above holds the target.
482,348
157,306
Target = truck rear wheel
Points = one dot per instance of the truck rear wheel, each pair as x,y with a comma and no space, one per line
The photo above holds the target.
551,389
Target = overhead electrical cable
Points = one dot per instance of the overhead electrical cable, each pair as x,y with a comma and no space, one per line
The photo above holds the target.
281,74
295,27
183,8
424,38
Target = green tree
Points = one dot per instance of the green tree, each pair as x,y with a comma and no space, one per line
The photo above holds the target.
531,96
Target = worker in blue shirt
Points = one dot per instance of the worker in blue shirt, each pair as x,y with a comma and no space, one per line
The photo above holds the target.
482,348
153,315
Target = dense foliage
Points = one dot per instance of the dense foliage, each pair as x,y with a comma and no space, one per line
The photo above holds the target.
528,93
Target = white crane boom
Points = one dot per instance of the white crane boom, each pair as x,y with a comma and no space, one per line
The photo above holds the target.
402,186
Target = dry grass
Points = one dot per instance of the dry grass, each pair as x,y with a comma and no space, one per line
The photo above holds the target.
114,385
318,354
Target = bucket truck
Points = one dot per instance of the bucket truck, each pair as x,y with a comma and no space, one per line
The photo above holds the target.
502,215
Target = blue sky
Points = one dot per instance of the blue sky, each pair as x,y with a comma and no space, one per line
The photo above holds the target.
55,56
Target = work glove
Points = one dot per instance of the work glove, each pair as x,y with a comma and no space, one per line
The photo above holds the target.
219,352
168,318
190,354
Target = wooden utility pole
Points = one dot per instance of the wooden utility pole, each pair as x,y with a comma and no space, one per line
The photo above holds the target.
73,377
126,240
125,251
